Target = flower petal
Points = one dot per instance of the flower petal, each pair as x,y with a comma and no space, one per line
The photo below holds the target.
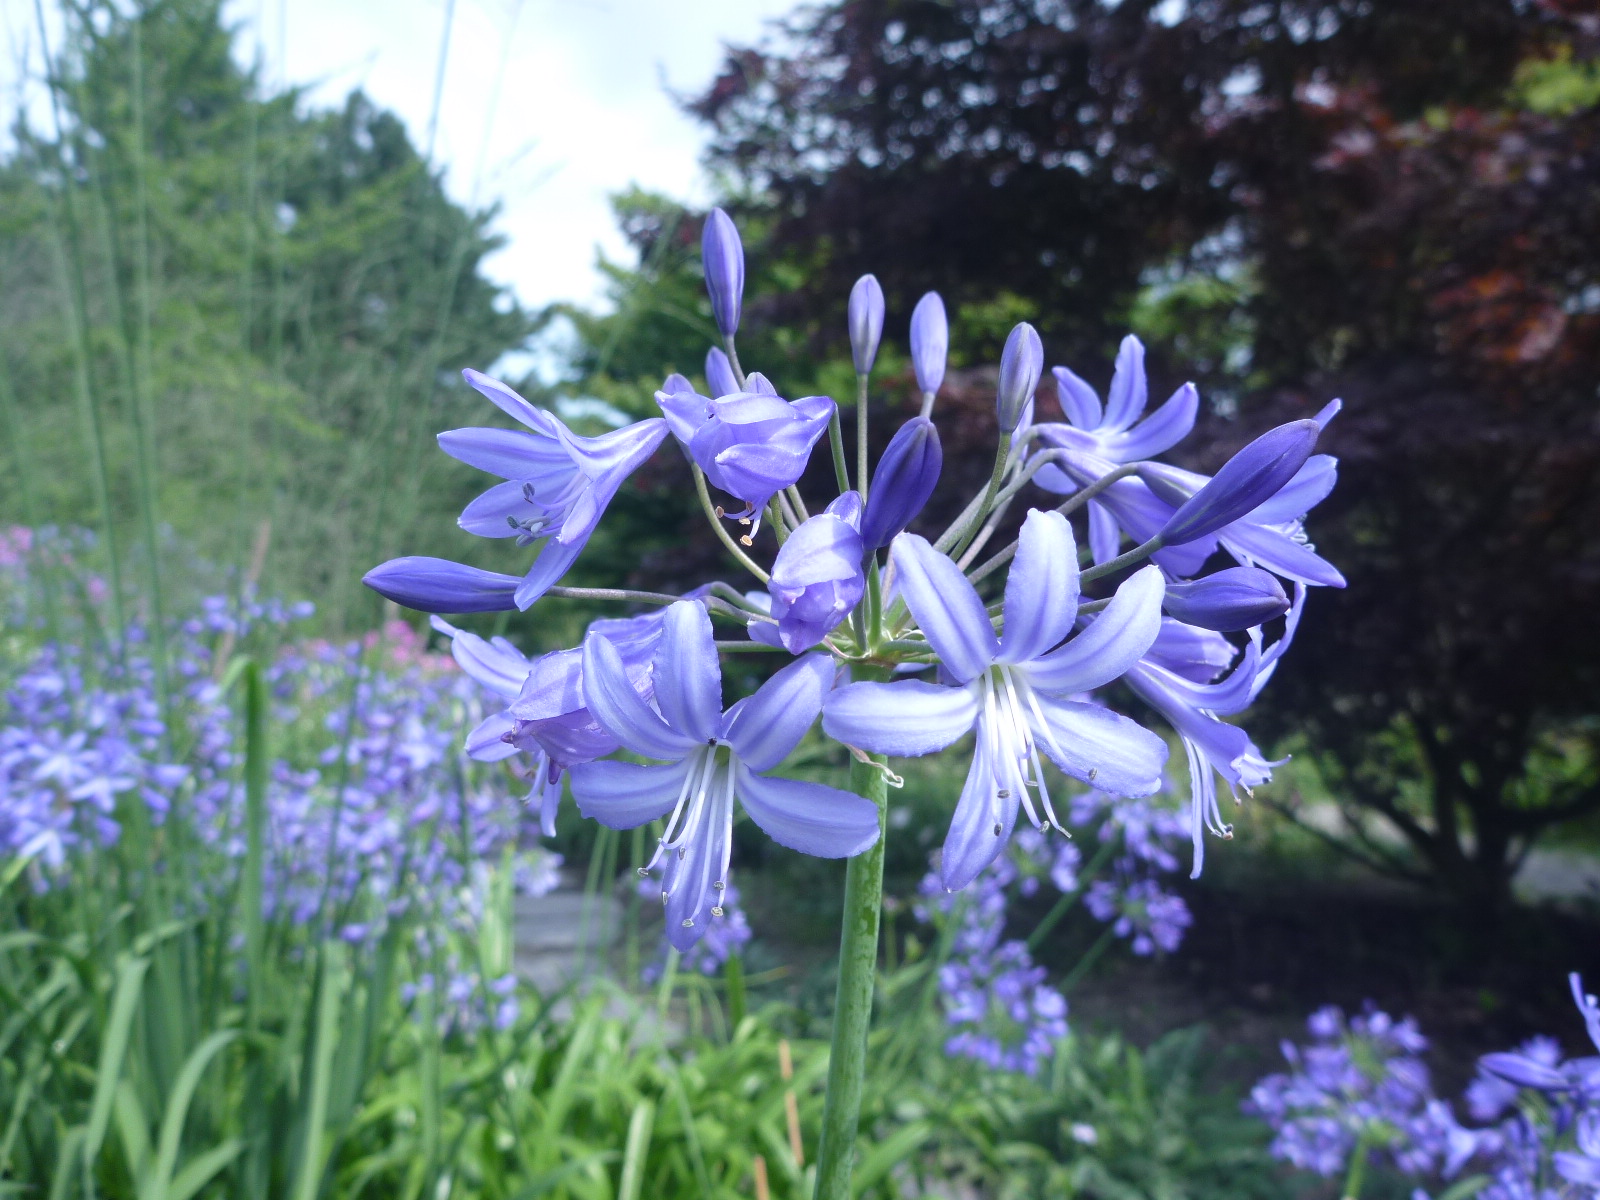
498,665
981,824
555,560
486,743
622,795
906,718
1309,488
492,513
765,727
812,818
1079,401
1105,535
506,400
508,453
1270,547
1129,390
688,679
1099,747
945,605
1112,643
615,704
1042,588
1161,430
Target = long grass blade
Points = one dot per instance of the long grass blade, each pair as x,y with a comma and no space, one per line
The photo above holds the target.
177,1112
330,995
637,1146
113,1051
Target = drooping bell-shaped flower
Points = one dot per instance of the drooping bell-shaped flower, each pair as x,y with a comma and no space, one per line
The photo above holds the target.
711,759
1014,689
1227,601
722,256
1177,677
503,670
930,342
719,373
557,483
902,482
866,322
1021,362
437,585
817,578
752,444
1246,481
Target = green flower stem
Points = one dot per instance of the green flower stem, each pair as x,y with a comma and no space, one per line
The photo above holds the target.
733,360
1358,1168
745,560
858,971
841,472
1002,457
861,436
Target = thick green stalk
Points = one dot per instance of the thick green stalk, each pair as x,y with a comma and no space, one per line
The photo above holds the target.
852,1011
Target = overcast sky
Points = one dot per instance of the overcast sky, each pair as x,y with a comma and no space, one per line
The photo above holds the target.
582,111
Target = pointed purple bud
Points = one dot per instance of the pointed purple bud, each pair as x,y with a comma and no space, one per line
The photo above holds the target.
1524,1071
930,342
719,374
1021,363
904,480
866,322
436,585
1251,477
759,384
722,256
1227,601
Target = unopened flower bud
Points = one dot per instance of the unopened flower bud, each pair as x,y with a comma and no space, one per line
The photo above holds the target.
904,480
722,257
436,585
1524,1071
719,374
1021,363
930,342
1227,601
1249,478
866,322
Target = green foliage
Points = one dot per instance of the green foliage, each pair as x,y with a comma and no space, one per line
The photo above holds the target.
223,309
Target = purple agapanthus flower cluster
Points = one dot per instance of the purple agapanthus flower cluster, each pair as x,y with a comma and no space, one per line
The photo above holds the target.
1001,1010
993,994
1021,642
370,817
1359,1091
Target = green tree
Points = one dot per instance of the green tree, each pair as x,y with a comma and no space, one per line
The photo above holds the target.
256,311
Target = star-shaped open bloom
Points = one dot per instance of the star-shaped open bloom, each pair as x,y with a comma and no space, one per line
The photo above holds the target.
557,483
1120,432
1178,677
1013,689
711,758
